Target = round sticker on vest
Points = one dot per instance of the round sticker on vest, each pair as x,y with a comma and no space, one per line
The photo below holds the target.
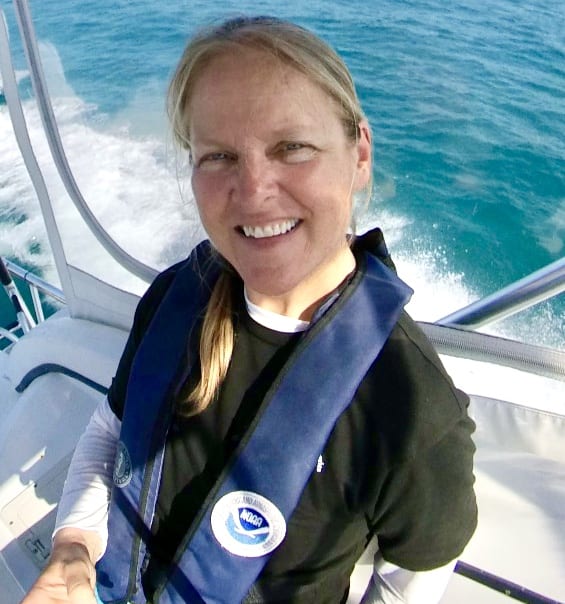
247,524
122,466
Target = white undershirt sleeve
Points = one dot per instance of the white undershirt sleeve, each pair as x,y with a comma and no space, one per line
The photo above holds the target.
86,494
391,584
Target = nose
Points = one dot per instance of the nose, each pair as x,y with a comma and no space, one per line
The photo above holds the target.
255,180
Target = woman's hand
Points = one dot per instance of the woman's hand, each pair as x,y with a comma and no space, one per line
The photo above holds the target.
70,576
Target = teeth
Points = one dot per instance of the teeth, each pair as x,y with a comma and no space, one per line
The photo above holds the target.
270,230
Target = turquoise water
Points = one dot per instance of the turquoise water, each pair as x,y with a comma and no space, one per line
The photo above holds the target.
466,102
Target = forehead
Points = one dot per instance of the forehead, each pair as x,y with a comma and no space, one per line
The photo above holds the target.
240,68
254,85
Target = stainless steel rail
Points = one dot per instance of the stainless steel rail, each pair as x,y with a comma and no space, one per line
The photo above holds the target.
540,285
34,282
24,320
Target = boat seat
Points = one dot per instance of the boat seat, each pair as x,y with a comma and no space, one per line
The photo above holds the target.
82,349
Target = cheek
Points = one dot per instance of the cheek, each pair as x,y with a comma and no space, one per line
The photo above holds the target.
201,187
208,195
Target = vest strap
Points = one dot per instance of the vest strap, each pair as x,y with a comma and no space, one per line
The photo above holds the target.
255,498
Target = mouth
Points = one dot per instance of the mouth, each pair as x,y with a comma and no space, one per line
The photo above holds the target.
273,229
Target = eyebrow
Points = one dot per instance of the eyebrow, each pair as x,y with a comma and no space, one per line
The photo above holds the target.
295,132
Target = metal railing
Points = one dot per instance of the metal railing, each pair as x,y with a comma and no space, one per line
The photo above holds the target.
24,319
35,283
541,285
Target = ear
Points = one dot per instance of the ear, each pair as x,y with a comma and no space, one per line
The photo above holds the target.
364,156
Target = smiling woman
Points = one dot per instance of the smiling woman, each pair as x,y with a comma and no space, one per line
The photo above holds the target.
279,156
275,409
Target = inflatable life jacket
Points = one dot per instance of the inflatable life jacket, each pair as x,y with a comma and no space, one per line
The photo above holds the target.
247,510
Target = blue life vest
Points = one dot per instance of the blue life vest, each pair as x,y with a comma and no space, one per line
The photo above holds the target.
246,512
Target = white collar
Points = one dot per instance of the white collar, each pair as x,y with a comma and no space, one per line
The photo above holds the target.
272,320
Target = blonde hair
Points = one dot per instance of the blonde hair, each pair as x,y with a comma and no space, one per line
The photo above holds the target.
294,46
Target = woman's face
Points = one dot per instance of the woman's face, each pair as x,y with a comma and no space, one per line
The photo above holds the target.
273,175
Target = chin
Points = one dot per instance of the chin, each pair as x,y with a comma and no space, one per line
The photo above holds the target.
269,284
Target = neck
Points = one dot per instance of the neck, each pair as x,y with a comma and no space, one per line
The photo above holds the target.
303,300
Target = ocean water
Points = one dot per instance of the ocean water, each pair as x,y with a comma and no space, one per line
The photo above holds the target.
466,101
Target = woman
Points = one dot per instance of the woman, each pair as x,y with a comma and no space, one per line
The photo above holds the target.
308,414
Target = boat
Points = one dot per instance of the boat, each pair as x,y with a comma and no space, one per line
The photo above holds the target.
60,351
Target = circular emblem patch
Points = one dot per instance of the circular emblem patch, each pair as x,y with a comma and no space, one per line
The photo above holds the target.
247,524
122,466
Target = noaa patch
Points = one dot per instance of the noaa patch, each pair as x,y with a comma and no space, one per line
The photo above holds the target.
122,466
247,524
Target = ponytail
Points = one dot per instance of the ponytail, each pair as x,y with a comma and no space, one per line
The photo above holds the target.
216,346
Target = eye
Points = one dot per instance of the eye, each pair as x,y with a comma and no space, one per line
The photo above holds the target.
296,152
217,158
293,146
